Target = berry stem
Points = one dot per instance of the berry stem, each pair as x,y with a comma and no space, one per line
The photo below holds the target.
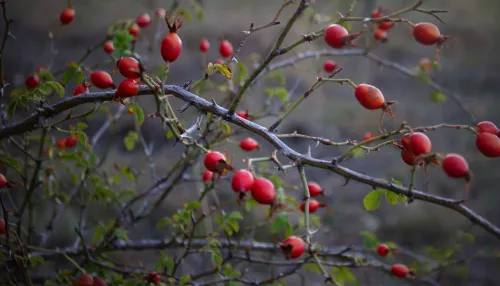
341,81
307,197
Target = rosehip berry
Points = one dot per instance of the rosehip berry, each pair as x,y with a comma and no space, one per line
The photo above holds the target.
204,45
67,16
263,191
405,141
400,270
160,12
242,114
408,157
372,98
386,25
337,36
383,250
101,79
61,143
155,277
71,141
455,166
488,144
143,20
127,88
85,280
225,49
3,181
487,127
293,247
242,181
368,136
249,144
313,206
314,189
80,89
3,228
32,81
207,176
219,61
427,34
129,67
98,281
420,144
134,30
215,161
108,47
329,66
380,35
377,13
171,47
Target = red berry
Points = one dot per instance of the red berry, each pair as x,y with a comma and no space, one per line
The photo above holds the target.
207,176
420,144
329,66
426,33
225,49
3,228
368,136
377,13
71,141
98,281
314,189
129,67
134,30
386,25
80,88
487,127
127,88
380,35
313,206
160,12
154,277
3,181
455,166
335,36
242,114
101,79
405,141
382,250
369,96
143,20
293,247
204,45
408,157
108,47
220,61
263,191
67,15
249,144
242,181
61,143
488,144
85,280
400,270
32,81
171,47
215,161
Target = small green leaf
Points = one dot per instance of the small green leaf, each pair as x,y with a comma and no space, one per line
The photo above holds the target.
280,222
139,113
423,77
68,75
437,97
57,87
311,267
372,200
186,14
369,240
225,127
11,108
80,126
184,280
130,140
80,77
279,92
12,163
391,197
224,70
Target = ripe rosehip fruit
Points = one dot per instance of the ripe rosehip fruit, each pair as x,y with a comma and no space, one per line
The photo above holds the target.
134,30
408,157
101,79
242,181
129,67
108,47
400,270
420,144
368,136
80,88
3,181
85,280
329,66
225,49
314,189
67,15
293,247
369,96
427,34
386,25
405,141
3,228
171,47
337,36
488,144
377,13
383,250
249,144
207,176
313,206
61,143
455,166
32,81
71,141
242,114
215,161
204,45
143,20
127,88
98,281
380,35
487,127
263,191
153,277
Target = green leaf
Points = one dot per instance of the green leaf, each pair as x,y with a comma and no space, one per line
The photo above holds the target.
423,77
12,163
80,126
242,73
80,77
184,279
68,75
193,206
280,222
139,113
11,108
391,197
186,14
34,260
130,140
396,182
224,70
225,127
45,75
127,172
369,240
56,87
311,267
437,97
372,200
279,92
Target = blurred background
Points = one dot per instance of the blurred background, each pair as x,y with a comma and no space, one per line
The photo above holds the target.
470,67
